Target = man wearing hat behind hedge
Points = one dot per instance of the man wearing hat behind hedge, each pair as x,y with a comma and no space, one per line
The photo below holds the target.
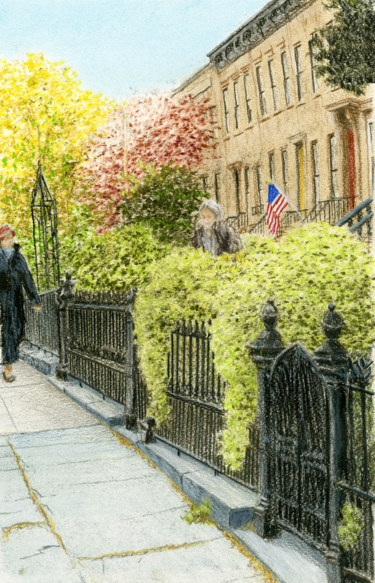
213,235
14,275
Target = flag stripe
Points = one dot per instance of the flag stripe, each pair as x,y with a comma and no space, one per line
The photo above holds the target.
276,203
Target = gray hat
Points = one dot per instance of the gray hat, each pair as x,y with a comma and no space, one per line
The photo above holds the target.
213,206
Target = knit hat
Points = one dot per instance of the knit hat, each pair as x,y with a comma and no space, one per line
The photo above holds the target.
5,230
213,206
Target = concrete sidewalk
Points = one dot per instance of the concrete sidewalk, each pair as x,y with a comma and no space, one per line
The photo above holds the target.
80,504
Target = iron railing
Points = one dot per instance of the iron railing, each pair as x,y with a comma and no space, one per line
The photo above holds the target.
358,487
260,228
195,397
238,222
359,220
42,328
96,341
329,211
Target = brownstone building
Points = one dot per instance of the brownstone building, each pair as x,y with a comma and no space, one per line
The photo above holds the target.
279,121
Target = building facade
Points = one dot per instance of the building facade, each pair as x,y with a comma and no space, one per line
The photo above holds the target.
278,121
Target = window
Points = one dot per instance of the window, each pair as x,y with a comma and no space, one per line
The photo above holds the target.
259,200
204,183
247,187
372,156
298,61
284,161
316,177
286,77
313,63
333,165
217,187
271,164
226,109
262,98
300,176
214,121
273,85
236,105
247,97
237,186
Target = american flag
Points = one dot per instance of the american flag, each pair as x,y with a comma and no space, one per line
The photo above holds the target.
276,203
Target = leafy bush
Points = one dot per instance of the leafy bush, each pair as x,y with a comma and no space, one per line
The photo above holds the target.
115,260
166,199
306,270
350,526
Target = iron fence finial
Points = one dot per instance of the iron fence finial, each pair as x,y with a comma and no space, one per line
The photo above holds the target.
332,323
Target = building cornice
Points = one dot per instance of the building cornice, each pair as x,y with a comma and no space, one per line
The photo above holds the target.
255,30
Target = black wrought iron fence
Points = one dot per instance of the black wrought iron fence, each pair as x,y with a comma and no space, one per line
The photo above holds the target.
195,397
42,328
96,341
358,487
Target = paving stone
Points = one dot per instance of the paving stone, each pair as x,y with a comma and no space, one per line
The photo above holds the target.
213,562
18,511
47,479
12,487
42,407
33,555
95,433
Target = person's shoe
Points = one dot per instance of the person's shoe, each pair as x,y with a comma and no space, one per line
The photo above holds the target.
9,379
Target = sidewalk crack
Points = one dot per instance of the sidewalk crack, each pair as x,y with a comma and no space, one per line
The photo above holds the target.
170,547
48,519
20,526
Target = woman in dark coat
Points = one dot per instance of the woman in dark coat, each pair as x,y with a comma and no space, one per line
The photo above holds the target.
14,275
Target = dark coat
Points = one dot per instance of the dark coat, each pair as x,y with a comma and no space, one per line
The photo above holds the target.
14,275
227,241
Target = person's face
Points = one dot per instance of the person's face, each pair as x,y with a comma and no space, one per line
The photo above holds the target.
207,217
7,242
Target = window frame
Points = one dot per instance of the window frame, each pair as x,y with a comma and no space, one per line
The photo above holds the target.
261,91
226,110
286,77
273,85
247,97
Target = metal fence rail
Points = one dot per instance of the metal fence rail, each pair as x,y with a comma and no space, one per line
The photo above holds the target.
195,396
96,341
358,489
42,328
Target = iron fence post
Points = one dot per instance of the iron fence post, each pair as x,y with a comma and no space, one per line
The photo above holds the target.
263,351
333,360
64,296
130,417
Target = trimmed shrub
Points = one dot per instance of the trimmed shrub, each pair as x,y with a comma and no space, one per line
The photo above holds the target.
309,267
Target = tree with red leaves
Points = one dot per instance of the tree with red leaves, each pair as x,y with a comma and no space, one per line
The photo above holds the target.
153,130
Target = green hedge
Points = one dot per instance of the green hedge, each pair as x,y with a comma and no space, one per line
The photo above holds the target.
115,260
309,267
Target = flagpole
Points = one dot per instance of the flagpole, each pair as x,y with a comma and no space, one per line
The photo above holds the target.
289,201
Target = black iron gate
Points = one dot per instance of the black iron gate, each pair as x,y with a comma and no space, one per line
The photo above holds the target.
298,428
317,447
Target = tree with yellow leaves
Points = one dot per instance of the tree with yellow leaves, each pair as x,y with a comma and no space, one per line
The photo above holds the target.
46,116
